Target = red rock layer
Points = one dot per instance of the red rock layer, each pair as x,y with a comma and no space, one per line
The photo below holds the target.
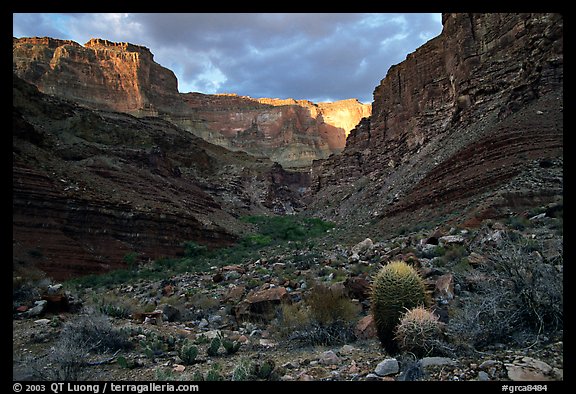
89,187
124,77
469,112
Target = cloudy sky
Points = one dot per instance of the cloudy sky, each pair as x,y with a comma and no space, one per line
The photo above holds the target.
313,56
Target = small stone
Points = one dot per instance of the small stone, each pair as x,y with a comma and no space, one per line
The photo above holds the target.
267,343
42,321
304,377
372,377
387,367
347,349
38,309
488,364
451,239
483,376
329,358
178,368
366,328
363,246
54,289
431,361
444,287
242,339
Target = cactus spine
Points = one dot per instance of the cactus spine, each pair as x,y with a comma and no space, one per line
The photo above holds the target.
396,287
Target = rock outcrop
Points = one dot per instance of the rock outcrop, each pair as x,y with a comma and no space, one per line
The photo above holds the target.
90,187
468,126
124,77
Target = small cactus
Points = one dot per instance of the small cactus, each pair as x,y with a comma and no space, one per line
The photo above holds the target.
263,370
231,347
214,346
418,331
396,287
188,353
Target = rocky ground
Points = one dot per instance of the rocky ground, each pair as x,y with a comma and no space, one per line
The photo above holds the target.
269,311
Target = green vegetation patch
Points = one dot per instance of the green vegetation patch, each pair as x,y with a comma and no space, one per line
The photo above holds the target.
271,231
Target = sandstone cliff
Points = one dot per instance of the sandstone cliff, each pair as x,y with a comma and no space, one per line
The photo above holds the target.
125,78
468,126
89,187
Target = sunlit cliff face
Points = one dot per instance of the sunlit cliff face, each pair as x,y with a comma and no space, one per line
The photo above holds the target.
123,77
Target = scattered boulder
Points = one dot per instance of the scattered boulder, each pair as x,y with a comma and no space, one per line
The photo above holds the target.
154,317
530,369
366,328
363,247
387,367
357,287
234,294
260,304
329,358
38,309
444,288
451,239
171,313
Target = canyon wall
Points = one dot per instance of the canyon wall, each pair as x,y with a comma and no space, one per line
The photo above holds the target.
125,78
90,187
459,130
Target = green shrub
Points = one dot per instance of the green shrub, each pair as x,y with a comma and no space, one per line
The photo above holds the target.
192,249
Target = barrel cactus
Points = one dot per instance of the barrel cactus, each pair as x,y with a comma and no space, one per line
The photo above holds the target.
396,287
419,332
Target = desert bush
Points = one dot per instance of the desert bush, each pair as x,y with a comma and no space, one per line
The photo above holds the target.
89,333
115,306
329,305
397,286
94,332
520,296
326,317
537,289
418,332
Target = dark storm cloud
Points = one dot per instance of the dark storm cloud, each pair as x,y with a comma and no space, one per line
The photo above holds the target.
304,56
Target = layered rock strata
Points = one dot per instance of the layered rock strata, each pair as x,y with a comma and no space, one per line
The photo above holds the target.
459,130
90,187
124,77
